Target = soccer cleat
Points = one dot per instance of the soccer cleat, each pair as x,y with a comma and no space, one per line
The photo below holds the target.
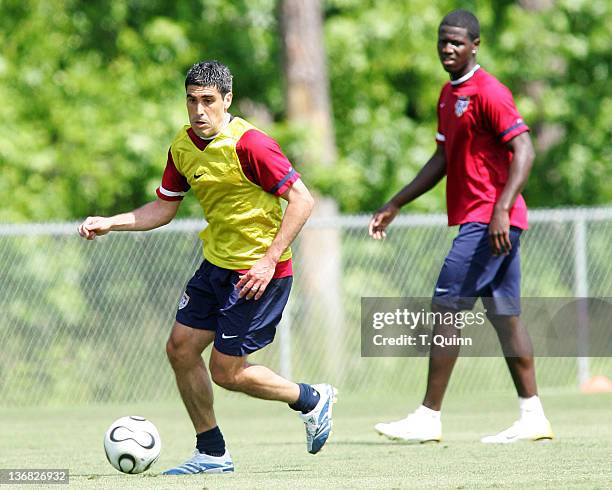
525,429
416,427
318,421
203,463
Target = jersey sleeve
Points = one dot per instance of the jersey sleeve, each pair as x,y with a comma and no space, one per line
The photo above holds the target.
502,114
264,164
174,185
440,137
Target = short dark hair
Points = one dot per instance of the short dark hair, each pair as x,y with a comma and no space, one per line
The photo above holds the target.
210,73
465,19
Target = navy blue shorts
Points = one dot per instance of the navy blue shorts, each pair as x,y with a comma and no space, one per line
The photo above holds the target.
471,271
241,326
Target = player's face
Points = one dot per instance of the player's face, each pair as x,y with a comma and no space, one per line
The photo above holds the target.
456,50
207,108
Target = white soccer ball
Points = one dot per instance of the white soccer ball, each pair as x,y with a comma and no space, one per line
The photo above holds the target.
132,444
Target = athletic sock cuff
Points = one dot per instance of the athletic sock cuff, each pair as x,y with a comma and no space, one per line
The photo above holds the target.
211,442
435,414
308,399
531,405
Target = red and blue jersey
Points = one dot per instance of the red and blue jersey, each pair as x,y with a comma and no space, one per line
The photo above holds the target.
476,118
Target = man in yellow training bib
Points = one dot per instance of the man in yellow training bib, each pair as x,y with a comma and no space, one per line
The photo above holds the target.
236,298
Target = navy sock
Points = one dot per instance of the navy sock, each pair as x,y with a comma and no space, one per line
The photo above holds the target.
211,442
309,397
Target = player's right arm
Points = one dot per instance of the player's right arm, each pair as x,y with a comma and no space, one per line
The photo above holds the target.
431,173
152,215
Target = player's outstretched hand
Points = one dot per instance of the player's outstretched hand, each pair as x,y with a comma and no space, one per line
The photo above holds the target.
254,283
94,226
381,219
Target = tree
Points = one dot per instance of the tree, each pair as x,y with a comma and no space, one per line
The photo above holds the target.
92,95
309,108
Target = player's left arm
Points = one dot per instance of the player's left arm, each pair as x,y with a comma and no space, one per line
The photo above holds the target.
299,206
264,164
520,167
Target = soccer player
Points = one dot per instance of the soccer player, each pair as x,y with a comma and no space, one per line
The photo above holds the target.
236,298
484,149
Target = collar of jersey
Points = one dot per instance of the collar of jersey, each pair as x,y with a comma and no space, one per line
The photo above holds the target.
465,77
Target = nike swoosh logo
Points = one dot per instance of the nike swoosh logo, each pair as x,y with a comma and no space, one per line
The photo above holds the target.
441,290
223,336
196,176
442,105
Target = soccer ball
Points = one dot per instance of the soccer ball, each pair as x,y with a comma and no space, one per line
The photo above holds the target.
132,444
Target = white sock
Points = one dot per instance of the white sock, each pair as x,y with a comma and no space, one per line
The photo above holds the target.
531,406
434,414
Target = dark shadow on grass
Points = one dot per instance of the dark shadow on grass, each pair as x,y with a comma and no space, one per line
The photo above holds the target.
385,443
358,443
277,470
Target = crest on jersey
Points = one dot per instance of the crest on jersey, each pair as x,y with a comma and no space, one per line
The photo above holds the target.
461,105
183,302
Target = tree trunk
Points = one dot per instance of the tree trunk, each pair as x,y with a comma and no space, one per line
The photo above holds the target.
309,107
307,83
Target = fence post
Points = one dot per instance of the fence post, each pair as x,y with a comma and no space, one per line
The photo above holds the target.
581,290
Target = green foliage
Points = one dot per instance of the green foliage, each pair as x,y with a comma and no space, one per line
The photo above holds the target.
386,79
92,95
560,78
95,95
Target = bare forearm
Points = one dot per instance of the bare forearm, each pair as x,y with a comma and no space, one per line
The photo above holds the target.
152,215
431,173
296,214
520,167
254,282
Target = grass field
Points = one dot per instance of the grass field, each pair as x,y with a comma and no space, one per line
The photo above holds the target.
268,445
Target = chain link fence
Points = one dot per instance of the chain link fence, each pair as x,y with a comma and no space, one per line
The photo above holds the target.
87,321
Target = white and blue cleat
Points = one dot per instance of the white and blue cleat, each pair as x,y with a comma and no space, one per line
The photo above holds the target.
203,463
318,421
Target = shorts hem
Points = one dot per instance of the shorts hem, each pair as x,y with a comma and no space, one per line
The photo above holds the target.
243,351
190,324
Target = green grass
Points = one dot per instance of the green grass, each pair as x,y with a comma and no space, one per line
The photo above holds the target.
268,445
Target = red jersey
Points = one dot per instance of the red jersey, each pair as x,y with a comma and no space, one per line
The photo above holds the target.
476,117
